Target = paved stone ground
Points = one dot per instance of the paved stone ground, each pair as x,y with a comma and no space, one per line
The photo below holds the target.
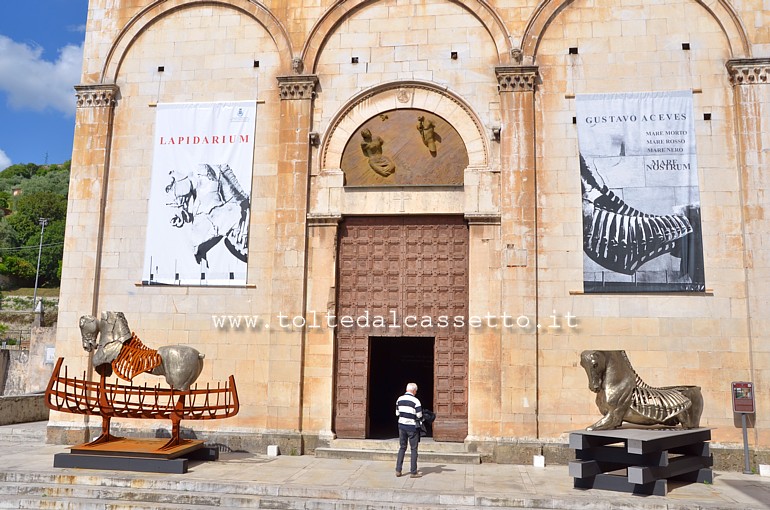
241,479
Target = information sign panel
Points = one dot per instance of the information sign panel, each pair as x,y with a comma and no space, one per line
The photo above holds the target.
743,397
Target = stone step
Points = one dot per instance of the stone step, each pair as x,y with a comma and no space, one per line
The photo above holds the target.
435,457
23,432
92,497
387,450
426,445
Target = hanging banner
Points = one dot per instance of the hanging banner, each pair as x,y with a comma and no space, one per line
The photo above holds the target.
198,218
641,205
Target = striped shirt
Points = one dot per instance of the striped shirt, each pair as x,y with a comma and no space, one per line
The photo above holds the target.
408,410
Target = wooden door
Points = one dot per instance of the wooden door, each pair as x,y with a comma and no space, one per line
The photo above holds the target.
400,276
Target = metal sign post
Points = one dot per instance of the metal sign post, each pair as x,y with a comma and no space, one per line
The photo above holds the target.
743,403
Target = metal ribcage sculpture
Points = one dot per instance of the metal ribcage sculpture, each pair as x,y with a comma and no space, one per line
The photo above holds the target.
622,238
658,404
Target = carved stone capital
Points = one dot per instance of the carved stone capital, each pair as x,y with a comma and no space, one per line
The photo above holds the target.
749,71
298,86
483,218
323,220
96,96
516,78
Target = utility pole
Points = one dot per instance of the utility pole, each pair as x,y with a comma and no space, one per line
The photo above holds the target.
43,222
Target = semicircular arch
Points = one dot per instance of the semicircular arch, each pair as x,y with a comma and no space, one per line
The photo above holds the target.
342,9
721,11
160,8
404,95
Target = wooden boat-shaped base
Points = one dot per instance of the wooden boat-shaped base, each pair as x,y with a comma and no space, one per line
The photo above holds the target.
140,455
131,447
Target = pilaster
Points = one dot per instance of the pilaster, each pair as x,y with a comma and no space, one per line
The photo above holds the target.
287,348
89,179
518,251
318,380
751,94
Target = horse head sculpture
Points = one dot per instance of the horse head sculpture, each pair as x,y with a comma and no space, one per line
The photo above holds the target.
116,348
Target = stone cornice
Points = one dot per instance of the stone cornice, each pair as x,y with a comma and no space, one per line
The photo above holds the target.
483,218
749,71
297,86
516,78
323,220
96,96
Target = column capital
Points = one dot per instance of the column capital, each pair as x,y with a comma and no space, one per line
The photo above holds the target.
324,220
516,78
483,218
748,71
297,86
96,96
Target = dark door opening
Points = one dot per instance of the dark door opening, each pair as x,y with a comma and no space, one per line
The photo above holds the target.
393,363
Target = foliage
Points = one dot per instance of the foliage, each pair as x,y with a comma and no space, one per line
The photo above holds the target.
18,268
41,193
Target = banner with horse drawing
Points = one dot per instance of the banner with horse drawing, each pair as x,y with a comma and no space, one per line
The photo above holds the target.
640,197
198,218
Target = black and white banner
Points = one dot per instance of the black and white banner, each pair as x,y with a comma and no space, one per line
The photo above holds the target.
641,205
198,219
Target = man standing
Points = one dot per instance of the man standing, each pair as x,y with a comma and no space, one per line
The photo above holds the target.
409,411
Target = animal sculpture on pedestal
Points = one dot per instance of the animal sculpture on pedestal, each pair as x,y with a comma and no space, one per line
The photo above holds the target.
621,395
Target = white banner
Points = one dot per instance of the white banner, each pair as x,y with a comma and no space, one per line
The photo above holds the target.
641,206
198,218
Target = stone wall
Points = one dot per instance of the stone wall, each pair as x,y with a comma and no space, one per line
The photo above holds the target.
504,75
22,409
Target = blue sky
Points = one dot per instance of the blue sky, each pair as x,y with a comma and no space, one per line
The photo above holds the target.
41,53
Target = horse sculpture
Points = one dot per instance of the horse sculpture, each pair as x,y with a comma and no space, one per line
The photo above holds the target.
121,351
621,395
211,202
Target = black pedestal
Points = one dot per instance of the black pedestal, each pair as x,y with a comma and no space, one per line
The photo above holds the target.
142,455
645,458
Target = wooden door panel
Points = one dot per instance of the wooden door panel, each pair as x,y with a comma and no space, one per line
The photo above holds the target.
411,266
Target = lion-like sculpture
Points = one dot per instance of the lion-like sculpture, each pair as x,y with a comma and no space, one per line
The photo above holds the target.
621,395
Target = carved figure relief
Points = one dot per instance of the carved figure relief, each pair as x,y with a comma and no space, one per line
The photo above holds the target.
372,149
428,134
389,149
621,395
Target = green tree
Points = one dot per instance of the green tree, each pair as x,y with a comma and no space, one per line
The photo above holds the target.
18,268
25,222
52,182
9,239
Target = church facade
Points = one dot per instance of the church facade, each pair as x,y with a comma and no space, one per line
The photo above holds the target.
331,199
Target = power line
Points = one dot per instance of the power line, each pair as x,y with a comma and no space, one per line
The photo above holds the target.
30,247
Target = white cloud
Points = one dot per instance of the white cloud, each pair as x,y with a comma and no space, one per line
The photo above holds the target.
33,83
5,161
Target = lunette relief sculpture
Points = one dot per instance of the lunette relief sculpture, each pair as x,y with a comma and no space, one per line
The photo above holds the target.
372,149
621,395
428,134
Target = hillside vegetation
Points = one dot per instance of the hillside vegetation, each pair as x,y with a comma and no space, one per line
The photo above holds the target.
29,192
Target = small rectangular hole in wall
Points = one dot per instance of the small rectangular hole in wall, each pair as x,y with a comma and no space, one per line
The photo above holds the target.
453,55
354,60
685,46
706,116
573,50
161,69
256,63
574,120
